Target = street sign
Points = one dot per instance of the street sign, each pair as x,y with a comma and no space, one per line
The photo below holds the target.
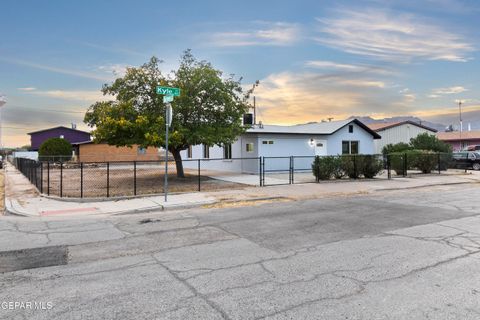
168,91
167,99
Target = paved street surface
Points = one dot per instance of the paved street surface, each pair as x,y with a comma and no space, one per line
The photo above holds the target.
398,254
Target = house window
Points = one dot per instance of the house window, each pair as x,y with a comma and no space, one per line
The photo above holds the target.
249,147
141,151
350,128
350,147
267,142
189,152
227,151
206,151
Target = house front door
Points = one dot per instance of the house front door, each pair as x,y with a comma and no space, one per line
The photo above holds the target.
321,147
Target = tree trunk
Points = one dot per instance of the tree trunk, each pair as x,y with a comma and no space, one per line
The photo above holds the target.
178,162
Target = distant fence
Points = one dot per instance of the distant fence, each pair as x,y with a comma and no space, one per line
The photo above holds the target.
134,178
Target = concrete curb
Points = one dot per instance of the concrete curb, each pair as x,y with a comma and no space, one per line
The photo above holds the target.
429,185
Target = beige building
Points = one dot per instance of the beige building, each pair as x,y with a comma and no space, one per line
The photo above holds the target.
102,152
396,132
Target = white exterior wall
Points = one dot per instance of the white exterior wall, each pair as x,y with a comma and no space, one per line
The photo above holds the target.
219,164
397,134
365,140
284,145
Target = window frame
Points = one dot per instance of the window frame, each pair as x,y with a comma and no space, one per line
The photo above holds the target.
349,143
227,151
249,144
206,151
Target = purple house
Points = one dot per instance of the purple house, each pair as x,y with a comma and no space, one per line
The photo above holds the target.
72,135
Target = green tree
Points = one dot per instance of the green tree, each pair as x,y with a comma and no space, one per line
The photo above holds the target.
208,111
398,147
425,141
56,149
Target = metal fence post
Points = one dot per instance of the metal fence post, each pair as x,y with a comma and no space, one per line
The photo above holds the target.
260,169
199,177
61,179
290,170
41,177
81,179
389,167
108,179
134,178
439,164
405,164
293,170
263,171
48,178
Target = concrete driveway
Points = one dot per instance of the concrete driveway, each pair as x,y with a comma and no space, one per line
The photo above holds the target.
411,254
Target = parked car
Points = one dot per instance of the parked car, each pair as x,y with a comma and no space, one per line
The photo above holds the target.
466,160
473,148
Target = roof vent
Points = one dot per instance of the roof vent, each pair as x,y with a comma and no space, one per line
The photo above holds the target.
74,125
260,125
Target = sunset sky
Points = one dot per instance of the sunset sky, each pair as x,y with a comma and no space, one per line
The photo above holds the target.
314,59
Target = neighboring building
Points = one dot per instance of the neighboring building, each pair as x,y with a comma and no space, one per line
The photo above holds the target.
102,152
308,140
396,132
460,140
70,134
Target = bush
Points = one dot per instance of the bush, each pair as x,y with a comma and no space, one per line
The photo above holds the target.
324,168
397,162
55,148
394,148
423,160
429,142
349,166
370,165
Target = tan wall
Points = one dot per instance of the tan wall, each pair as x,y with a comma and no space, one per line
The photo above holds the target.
103,152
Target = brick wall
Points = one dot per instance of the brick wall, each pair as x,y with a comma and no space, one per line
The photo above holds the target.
92,152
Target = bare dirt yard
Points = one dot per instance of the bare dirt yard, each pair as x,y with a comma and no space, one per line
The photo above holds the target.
124,180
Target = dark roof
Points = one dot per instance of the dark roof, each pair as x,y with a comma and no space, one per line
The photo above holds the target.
322,128
59,127
379,126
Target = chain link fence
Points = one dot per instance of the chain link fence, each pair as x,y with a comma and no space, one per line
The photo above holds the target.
134,178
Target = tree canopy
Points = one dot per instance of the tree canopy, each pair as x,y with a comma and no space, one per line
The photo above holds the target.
208,111
56,149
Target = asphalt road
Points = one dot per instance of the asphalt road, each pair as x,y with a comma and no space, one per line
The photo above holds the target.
396,255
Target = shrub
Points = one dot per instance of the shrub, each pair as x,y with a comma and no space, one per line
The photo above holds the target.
370,165
423,160
323,168
429,142
397,162
56,148
398,147
349,166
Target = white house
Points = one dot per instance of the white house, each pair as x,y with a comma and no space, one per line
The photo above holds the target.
305,140
396,132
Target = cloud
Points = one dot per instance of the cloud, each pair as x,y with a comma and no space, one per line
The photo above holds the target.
293,97
74,95
384,35
117,70
71,72
439,92
27,89
262,34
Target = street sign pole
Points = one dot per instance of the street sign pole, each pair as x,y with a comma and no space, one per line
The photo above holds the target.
165,187
168,94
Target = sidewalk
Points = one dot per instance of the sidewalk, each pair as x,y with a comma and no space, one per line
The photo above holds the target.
21,197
